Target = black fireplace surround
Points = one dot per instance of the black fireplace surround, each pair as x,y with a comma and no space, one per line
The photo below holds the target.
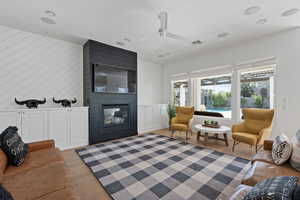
111,115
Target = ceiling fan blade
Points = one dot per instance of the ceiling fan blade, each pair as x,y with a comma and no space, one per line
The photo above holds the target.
177,37
163,17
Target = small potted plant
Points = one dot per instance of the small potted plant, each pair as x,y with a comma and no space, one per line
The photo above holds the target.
171,113
210,123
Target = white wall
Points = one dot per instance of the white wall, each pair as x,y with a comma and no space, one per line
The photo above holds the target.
35,66
150,79
285,47
151,112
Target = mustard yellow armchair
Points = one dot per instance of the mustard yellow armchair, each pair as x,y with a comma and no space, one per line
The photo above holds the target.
183,120
255,128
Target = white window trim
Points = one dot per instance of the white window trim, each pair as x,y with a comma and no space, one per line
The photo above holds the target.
189,92
234,70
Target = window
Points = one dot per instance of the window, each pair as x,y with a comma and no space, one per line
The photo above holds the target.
257,88
215,94
180,93
229,89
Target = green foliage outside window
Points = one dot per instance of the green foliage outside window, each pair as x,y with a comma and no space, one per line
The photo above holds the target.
247,89
244,101
258,101
221,99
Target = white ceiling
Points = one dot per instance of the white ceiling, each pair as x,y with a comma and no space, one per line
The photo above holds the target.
110,21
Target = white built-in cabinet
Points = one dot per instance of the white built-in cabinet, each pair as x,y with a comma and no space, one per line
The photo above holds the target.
68,127
152,117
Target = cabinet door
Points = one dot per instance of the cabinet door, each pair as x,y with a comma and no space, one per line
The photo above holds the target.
59,128
12,118
34,126
79,127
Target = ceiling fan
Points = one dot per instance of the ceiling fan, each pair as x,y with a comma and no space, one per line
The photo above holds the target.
163,30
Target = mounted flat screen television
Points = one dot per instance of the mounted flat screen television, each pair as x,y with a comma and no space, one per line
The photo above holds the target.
114,80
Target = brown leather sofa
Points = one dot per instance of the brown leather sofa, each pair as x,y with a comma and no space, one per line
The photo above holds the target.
42,176
263,168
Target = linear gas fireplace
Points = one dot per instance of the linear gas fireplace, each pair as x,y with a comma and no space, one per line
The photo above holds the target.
110,91
116,115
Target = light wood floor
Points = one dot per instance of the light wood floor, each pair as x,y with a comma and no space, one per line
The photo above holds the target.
88,188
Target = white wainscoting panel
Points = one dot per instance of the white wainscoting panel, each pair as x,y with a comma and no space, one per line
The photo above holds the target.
152,117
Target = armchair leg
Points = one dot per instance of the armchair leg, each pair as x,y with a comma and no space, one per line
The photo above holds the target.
186,135
234,143
256,148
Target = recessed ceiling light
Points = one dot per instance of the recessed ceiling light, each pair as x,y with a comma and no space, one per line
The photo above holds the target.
50,13
127,39
261,21
120,43
290,12
252,10
47,20
222,35
197,42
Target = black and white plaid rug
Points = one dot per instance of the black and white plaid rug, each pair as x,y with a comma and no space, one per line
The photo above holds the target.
157,167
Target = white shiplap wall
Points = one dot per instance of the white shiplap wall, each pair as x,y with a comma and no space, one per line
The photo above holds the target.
35,66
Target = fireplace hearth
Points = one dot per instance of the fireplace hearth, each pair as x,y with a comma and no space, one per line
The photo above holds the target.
110,91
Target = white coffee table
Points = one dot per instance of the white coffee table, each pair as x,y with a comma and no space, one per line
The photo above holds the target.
223,130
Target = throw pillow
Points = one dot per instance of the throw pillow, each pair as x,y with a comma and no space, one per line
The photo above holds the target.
295,158
277,188
281,149
240,192
296,194
13,146
4,194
